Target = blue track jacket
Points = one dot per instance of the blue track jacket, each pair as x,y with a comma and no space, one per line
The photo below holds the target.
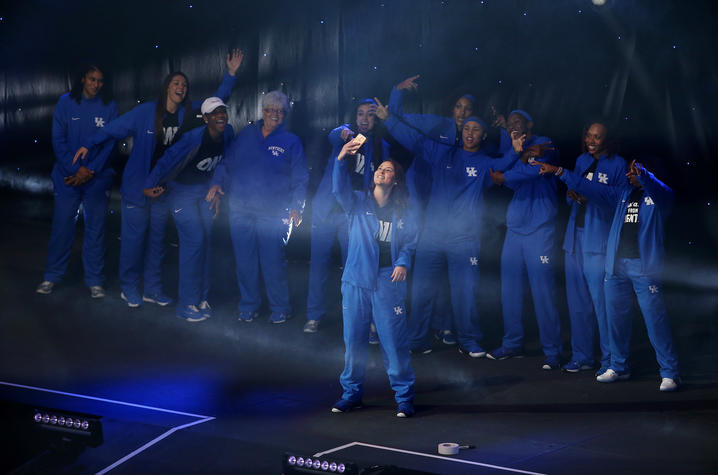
173,160
535,200
658,201
362,266
264,175
610,171
71,124
458,180
140,124
437,128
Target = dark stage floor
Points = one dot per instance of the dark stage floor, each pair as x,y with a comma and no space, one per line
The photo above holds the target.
222,396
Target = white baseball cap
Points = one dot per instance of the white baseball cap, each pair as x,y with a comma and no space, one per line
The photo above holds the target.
210,104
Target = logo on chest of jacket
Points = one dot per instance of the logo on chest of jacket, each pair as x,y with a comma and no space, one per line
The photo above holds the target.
648,201
99,122
470,171
276,151
603,178
544,259
209,163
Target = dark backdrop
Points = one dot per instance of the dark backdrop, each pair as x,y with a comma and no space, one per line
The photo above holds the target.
650,65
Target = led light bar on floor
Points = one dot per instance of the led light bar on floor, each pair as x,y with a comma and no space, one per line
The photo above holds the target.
308,464
84,428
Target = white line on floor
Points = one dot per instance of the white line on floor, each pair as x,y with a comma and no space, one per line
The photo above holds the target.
440,457
202,419
151,443
112,401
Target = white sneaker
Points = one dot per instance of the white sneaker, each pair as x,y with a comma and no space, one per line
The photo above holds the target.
668,385
311,326
205,309
610,376
97,292
45,287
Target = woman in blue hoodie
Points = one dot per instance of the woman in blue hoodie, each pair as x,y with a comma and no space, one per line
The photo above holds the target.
382,240
329,223
585,247
154,127
264,174
78,115
186,170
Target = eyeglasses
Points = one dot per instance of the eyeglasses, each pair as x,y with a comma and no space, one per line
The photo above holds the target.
273,111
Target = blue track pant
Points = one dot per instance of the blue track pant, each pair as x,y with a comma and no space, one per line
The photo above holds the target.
620,287
460,258
530,255
257,241
142,246
387,306
94,197
324,233
193,218
586,303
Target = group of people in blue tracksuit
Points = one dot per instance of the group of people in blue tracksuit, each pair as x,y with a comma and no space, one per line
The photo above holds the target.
185,163
637,206
598,278
83,138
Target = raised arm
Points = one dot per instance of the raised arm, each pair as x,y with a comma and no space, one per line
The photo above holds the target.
341,183
340,135
659,192
408,137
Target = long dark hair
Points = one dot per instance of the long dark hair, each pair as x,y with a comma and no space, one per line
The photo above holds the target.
611,140
105,92
376,134
162,103
399,196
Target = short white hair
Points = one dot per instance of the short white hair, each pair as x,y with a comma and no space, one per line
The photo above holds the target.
277,99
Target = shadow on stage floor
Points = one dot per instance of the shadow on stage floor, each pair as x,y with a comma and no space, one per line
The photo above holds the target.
222,396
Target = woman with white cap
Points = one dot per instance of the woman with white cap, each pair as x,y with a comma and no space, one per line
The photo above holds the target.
186,169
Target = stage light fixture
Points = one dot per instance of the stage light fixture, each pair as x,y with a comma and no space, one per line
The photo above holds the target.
296,464
83,428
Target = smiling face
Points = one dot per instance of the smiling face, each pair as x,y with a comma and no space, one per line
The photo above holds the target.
216,121
595,139
273,116
472,134
385,175
177,89
92,83
365,118
519,124
462,111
